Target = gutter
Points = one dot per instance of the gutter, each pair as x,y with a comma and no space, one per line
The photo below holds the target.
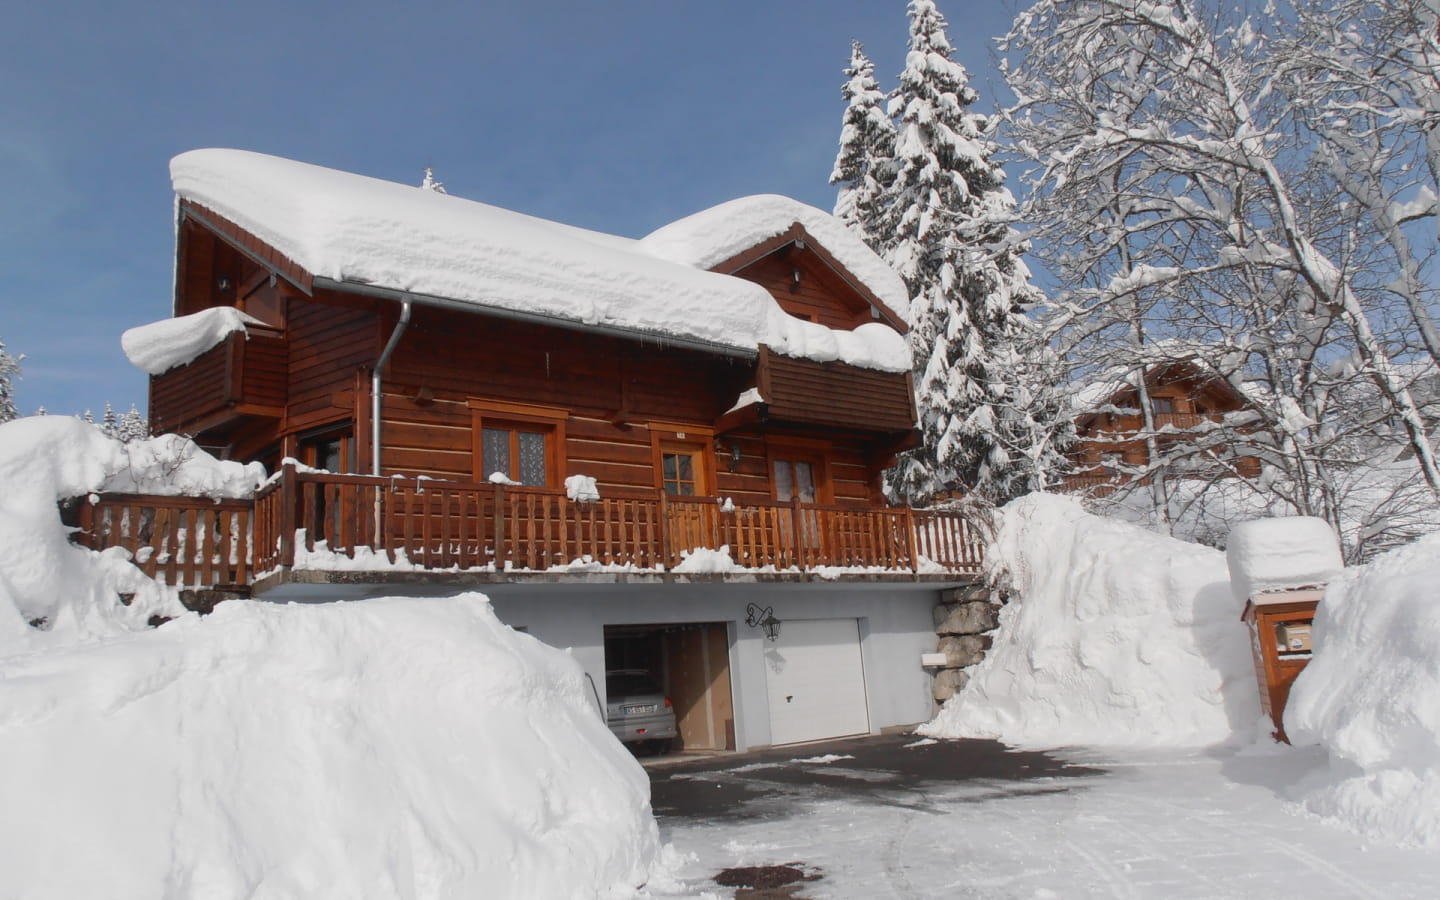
408,297
375,385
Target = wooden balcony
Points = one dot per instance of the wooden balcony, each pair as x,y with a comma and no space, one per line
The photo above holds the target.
236,379
354,523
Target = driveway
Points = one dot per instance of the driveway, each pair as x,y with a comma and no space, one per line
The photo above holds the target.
897,816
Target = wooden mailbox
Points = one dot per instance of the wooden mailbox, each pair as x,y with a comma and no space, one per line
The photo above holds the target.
1280,639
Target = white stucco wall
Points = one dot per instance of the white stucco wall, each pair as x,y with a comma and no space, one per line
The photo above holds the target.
896,626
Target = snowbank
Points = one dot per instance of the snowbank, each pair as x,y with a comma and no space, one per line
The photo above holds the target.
1371,696
72,591
351,228
1113,636
382,748
1281,553
161,346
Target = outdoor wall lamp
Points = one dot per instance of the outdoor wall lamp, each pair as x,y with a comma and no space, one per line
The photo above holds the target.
764,619
734,457
222,283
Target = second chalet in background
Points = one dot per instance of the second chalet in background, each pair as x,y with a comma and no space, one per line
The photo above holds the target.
640,449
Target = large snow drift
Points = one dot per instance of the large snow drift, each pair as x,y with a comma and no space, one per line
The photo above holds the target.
382,748
43,577
1113,636
377,233
1371,696
378,748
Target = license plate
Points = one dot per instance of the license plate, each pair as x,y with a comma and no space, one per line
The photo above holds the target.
638,710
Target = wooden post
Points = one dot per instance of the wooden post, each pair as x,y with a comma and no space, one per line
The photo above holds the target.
665,530
910,542
499,528
86,534
796,531
288,499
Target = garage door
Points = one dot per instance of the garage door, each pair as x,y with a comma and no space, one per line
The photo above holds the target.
815,681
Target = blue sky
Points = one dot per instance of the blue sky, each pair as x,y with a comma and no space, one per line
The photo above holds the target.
614,116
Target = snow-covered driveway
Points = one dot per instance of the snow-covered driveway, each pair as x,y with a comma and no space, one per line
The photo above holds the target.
1206,825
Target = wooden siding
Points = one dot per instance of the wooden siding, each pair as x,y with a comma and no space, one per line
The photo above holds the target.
835,394
247,244
331,339
235,379
819,295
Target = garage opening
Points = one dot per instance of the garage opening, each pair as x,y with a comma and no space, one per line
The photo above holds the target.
691,661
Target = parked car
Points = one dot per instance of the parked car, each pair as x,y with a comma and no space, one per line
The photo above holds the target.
637,710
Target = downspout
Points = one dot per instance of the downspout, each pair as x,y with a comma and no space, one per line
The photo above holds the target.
375,385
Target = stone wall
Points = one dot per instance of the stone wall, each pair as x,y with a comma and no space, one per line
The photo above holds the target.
964,619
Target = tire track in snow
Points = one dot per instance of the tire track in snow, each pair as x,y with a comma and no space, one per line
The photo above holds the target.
1320,866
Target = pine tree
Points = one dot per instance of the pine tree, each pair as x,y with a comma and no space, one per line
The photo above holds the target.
864,165
133,426
109,426
428,183
9,371
988,421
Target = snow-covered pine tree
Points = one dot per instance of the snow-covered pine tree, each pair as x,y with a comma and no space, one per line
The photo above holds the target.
864,165
430,184
109,424
9,371
133,426
990,423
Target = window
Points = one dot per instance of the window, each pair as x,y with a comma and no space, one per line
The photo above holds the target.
1162,406
794,479
684,459
799,471
517,451
680,471
333,451
520,441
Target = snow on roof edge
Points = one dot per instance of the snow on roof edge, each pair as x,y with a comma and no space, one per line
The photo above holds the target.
354,229
711,236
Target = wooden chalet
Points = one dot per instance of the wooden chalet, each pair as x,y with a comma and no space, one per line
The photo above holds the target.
427,393
1185,400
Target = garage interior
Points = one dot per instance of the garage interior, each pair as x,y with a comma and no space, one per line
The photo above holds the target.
691,661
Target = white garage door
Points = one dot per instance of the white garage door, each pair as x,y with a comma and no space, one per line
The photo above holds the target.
816,681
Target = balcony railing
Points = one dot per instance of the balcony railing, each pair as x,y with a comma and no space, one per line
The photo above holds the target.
312,520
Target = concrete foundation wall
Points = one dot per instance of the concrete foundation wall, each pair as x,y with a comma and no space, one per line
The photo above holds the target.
896,627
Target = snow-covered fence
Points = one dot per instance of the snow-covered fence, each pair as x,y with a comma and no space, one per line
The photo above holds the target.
184,541
437,524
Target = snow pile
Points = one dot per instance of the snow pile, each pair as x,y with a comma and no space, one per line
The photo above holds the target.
582,489
68,591
1114,636
1371,697
381,748
705,561
1280,554
365,231
161,346
712,236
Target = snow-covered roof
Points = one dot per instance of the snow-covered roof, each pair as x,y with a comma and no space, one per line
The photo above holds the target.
161,346
351,228
711,236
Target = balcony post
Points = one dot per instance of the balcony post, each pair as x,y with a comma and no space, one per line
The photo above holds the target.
912,548
288,500
797,531
500,528
665,530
